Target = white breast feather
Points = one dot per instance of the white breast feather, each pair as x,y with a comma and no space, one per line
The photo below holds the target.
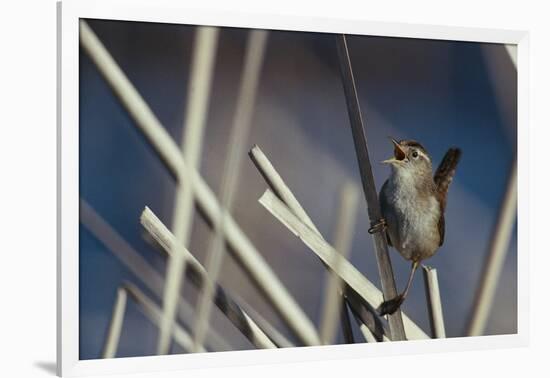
419,217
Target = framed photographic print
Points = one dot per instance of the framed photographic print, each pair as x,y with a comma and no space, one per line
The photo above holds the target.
239,189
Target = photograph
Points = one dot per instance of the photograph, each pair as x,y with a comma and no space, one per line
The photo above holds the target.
249,189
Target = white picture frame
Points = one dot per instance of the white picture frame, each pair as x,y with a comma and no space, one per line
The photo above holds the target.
174,11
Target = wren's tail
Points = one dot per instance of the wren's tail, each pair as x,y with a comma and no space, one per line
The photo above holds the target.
446,170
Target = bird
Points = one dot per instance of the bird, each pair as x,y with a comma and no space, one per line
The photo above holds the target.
413,202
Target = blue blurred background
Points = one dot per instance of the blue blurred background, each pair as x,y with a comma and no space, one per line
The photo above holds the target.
440,93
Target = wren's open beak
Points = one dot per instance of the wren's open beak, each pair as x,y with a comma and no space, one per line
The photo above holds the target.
398,154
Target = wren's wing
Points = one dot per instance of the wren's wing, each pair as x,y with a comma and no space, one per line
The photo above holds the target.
442,179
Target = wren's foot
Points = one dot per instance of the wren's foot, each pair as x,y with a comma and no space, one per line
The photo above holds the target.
381,225
390,306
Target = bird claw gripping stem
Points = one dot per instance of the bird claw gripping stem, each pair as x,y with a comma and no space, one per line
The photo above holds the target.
379,226
390,306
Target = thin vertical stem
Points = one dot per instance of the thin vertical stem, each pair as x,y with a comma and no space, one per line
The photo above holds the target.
239,135
115,327
375,215
496,255
435,309
202,68
343,236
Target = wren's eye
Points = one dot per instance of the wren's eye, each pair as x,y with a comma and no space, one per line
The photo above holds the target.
415,154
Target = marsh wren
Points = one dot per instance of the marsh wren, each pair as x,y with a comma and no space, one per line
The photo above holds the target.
413,206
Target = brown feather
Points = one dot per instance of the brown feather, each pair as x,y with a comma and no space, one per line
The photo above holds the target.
442,179
445,172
